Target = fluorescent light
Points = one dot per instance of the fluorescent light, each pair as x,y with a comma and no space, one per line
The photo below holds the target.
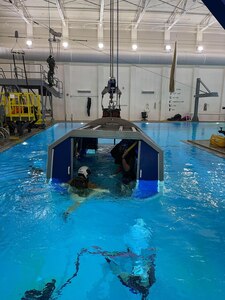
100,45
29,43
65,44
134,47
200,48
168,47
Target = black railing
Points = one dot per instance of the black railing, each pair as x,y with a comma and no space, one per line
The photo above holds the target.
33,71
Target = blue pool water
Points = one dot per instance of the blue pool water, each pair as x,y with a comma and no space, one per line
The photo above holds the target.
183,225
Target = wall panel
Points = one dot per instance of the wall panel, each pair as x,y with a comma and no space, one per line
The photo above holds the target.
144,88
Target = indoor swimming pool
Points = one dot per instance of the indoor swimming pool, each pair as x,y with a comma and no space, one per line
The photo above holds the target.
177,233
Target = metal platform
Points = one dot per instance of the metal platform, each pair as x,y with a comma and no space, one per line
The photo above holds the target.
149,158
33,83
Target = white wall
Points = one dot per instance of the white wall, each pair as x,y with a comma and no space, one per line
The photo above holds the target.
145,92
214,80
143,88
83,83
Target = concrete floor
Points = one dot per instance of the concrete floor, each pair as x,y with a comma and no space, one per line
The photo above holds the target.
14,140
205,145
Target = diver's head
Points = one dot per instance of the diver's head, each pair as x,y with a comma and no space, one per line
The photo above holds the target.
84,171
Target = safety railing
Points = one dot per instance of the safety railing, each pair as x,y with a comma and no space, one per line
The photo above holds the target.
22,106
33,71
2,73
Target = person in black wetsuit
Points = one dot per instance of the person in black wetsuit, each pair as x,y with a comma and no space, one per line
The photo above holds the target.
44,294
51,72
137,283
128,163
124,154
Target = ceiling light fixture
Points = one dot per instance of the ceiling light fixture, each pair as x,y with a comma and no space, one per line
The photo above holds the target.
101,31
168,48
65,44
200,48
29,43
134,47
100,45
134,37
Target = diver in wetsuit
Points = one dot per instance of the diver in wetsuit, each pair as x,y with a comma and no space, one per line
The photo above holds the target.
137,283
128,163
44,294
124,154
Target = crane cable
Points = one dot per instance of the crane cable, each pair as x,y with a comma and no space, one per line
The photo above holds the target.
49,35
111,37
117,56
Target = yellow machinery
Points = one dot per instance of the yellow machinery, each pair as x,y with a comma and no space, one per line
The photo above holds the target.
22,107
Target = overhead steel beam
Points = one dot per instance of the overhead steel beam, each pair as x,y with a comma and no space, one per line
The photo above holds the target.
207,26
207,22
140,12
181,6
101,17
179,10
21,10
61,12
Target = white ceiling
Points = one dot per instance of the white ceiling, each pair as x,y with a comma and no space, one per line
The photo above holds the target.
152,23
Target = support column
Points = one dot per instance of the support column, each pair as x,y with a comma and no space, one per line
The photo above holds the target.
197,90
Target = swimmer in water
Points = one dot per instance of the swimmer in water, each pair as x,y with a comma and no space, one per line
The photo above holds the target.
81,188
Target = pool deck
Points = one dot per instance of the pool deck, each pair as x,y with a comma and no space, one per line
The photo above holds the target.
205,145
14,140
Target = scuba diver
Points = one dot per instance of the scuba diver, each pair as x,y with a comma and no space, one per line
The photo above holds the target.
138,282
44,294
139,274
